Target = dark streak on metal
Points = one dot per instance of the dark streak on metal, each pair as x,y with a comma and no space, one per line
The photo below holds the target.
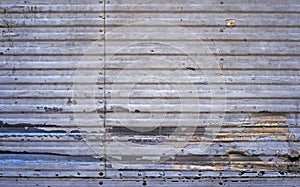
51,109
54,156
27,128
3,124
163,131
190,68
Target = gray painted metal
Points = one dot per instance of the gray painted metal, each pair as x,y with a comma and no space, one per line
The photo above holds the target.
245,134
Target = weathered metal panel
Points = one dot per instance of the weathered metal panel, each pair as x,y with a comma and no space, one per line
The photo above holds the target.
149,93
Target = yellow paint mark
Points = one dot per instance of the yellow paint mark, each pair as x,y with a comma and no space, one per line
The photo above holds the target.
230,22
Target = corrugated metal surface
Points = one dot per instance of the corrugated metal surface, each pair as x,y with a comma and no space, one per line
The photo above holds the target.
149,93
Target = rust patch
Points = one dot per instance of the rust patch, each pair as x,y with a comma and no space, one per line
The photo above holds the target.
269,125
268,118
